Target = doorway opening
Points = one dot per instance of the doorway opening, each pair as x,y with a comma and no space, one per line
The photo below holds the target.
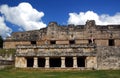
69,61
55,62
30,62
81,61
41,62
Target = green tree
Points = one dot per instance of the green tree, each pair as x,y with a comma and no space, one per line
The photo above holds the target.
1,42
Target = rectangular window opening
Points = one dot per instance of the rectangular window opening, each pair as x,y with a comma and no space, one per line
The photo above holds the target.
71,41
111,42
89,41
33,42
53,42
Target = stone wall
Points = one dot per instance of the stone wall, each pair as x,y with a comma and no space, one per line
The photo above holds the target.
108,57
62,34
7,59
91,62
13,44
56,50
20,62
7,56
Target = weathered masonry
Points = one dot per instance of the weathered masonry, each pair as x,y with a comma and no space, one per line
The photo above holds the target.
88,46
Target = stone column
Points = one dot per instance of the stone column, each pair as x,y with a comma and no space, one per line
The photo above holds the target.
75,62
47,62
35,62
62,62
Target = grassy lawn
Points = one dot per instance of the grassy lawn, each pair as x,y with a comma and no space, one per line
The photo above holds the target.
32,73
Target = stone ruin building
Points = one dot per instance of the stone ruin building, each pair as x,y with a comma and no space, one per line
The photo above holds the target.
88,46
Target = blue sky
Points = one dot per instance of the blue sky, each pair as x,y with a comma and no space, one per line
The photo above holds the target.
61,11
58,10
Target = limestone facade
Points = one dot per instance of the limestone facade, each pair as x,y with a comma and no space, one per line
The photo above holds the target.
87,46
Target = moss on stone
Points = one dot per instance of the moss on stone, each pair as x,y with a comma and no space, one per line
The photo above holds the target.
7,51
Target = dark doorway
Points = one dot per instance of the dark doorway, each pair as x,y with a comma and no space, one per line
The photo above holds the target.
41,62
111,42
69,61
30,62
55,62
81,61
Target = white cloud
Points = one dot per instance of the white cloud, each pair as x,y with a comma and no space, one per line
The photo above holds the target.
24,16
4,30
103,19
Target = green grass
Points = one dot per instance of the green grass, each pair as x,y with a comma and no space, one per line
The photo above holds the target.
34,73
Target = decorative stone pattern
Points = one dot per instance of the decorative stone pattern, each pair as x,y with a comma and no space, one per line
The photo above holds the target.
108,57
95,46
20,62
